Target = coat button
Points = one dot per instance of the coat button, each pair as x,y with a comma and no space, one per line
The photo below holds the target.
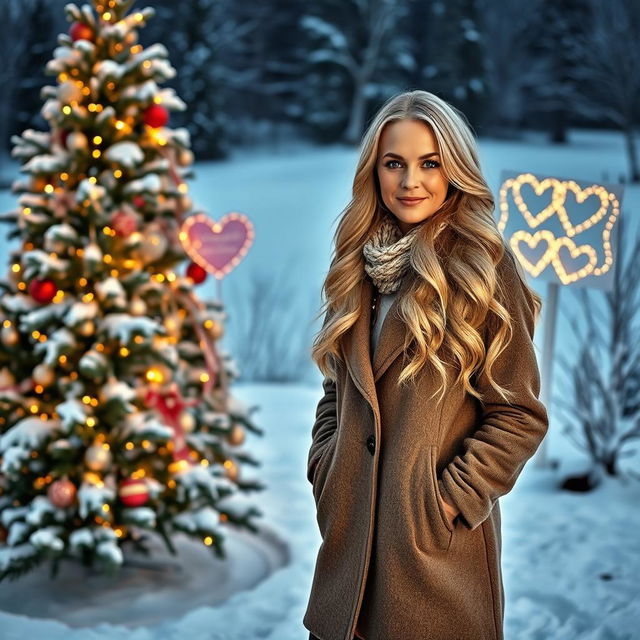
371,444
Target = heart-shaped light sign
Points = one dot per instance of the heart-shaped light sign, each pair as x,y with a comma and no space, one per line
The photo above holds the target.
218,247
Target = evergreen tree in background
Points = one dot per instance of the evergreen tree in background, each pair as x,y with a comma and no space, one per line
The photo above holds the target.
559,27
31,65
447,45
116,419
199,67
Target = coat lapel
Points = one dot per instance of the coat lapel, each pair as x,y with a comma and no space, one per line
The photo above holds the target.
357,343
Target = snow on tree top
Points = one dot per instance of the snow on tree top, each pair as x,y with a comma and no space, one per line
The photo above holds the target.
42,264
111,551
63,231
146,424
47,538
41,318
144,92
170,100
82,311
40,507
88,190
142,516
57,342
8,555
203,519
29,433
117,389
17,303
110,288
91,498
108,69
71,412
81,538
13,459
126,153
122,326
150,183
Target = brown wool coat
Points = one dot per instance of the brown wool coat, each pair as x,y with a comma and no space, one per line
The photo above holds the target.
379,462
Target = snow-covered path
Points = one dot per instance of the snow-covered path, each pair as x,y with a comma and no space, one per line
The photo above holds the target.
571,561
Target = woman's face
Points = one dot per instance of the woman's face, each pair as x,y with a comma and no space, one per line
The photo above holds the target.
412,184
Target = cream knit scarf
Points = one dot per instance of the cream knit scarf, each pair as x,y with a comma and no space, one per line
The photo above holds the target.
386,254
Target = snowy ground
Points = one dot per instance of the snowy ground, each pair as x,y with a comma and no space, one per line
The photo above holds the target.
571,562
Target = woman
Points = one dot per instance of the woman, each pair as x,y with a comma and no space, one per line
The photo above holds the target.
428,417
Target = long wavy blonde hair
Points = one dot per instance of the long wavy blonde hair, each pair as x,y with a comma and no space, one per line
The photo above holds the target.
455,281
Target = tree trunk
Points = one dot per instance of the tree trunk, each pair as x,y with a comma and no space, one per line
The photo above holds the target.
610,465
632,154
356,116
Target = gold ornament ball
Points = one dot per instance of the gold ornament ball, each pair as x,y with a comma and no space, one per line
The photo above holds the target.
77,141
236,435
187,421
87,328
186,203
97,457
185,157
216,330
153,246
69,91
10,336
43,374
138,306
231,470
173,323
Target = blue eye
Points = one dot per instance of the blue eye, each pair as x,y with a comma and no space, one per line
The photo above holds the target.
434,164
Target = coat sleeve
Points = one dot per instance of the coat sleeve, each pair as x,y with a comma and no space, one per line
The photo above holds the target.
508,434
324,426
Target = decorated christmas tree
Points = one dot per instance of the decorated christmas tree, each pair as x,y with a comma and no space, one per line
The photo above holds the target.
116,419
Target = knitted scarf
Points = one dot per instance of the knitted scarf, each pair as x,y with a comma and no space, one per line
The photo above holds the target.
386,254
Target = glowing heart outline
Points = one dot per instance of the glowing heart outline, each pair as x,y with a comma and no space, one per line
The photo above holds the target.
532,241
551,255
539,187
566,224
193,246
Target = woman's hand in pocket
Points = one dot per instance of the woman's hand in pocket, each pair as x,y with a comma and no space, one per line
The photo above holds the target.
451,511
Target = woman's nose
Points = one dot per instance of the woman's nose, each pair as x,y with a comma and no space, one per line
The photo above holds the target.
409,179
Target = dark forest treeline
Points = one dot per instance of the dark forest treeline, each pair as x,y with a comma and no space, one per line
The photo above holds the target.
265,70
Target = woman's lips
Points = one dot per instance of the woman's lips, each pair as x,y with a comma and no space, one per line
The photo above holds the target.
409,202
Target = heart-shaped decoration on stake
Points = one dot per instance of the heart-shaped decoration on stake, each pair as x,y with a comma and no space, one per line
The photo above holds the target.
218,247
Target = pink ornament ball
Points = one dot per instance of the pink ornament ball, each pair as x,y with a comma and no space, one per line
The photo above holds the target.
62,493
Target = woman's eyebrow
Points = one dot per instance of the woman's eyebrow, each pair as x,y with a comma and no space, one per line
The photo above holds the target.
422,157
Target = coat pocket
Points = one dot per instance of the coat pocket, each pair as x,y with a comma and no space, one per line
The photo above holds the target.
320,471
436,513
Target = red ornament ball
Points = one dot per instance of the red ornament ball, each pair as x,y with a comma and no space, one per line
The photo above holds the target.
62,493
42,291
124,223
81,31
196,273
139,202
64,134
133,492
156,116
